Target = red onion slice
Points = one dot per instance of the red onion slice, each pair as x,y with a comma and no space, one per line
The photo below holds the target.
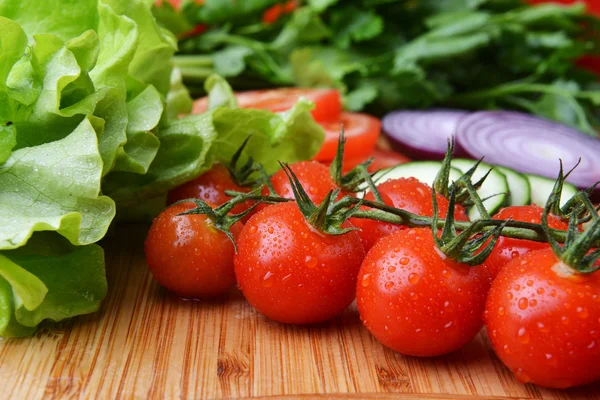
530,144
422,134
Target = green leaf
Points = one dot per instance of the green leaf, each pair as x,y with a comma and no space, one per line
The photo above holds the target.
74,277
63,18
55,186
155,47
9,327
288,137
219,93
178,99
8,140
170,18
352,24
144,113
181,157
217,11
13,43
231,61
64,280
28,290
321,5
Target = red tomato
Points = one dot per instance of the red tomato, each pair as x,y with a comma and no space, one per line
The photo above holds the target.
328,103
361,132
409,194
381,159
292,273
508,248
313,176
543,320
274,13
210,187
416,301
188,255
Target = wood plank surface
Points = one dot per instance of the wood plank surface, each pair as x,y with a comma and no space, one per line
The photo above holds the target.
146,343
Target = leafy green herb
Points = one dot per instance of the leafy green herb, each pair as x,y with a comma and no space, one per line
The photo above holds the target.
388,54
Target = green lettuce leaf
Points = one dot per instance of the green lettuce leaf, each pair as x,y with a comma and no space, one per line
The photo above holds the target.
190,145
51,279
55,186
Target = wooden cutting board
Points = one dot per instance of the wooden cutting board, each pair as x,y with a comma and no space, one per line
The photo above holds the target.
146,343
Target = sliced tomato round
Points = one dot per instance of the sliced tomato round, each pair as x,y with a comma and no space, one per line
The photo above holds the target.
361,131
328,103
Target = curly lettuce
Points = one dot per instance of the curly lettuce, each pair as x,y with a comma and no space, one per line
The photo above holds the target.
90,124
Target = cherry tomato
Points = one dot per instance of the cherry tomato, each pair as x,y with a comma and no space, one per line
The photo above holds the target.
188,255
543,320
210,187
313,176
292,273
361,132
328,103
409,194
416,301
381,159
508,248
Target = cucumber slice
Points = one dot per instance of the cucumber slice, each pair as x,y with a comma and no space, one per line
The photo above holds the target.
494,189
518,186
425,171
541,187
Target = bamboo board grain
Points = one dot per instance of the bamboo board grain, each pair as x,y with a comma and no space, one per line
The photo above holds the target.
145,343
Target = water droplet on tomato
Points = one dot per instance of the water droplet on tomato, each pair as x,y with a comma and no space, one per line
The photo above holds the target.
591,345
523,303
582,312
542,327
268,279
310,262
446,273
509,295
540,291
523,335
252,229
366,280
392,269
404,261
414,296
551,360
564,319
553,293
530,282
313,190
389,285
447,304
501,311
413,278
270,229
517,287
533,303
448,325
506,349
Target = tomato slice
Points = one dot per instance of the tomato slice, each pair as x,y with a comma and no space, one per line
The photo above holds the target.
361,131
328,103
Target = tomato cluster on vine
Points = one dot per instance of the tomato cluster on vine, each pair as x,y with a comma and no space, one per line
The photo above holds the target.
425,278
